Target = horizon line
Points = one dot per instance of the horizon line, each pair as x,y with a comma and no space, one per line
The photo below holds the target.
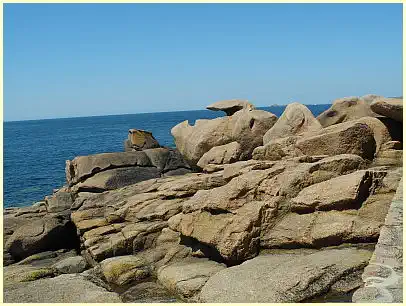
123,114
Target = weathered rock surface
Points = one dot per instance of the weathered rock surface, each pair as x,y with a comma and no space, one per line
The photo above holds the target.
296,119
59,201
139,140
234,235
246,127
390,107
347,109
187,277
282,278
344,192
41,235
61,289
13,218
37,266
299,175
117,178
345,138
148,292
127,220
82,167
121,270
109,171
230,106
225,154
70,265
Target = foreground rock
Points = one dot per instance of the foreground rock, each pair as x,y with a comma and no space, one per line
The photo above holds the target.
230,106
41,235
188,277
392,108
246,127
60,289
284,277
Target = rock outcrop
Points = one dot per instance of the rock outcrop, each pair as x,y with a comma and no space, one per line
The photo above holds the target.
247,127
297,222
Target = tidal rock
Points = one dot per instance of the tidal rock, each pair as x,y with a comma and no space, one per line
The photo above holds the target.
166,159
35,267
59,201
109,171
296,119
347,109
390,107
117,178
148,292
139,140
121,270
246,127
70,265
50,233
82,167
188,277
230,106
61,289
13,218
225,154
282,278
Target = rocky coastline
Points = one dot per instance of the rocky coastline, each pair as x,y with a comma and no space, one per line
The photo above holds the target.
249,207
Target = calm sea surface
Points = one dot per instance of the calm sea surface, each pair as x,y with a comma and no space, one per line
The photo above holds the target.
35,151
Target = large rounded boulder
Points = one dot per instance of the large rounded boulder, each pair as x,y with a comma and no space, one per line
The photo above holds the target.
296,119
247,127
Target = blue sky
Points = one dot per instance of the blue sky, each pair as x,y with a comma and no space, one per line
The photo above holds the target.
69,60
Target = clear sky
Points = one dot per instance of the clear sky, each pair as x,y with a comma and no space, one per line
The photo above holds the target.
68,60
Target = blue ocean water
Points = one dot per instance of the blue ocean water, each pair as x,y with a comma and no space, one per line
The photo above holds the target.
35,151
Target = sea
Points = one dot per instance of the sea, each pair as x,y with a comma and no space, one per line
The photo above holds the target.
35,151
